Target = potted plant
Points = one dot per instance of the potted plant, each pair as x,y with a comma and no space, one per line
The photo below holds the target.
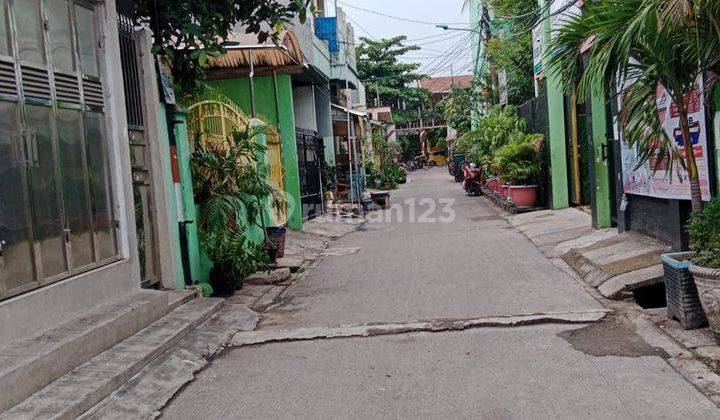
518,164
681,293
233,257
704,231
232,192
277,234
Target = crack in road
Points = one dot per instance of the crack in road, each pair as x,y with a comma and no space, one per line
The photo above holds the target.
259,337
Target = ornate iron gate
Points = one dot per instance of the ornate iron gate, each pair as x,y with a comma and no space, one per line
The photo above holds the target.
311,158
214,119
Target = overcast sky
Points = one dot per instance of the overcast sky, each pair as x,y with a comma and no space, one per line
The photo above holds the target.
441,50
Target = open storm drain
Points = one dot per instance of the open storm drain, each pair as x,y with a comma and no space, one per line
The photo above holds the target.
652,296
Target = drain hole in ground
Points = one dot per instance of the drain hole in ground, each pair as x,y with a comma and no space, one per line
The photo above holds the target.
652,296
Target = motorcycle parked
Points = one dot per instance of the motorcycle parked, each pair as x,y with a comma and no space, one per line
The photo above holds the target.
455,167
473,179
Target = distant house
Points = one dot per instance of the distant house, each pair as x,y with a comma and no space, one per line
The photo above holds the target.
441,87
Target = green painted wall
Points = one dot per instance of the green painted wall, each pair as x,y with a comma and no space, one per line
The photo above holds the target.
556,140
172,201
599,124
183,149
279,113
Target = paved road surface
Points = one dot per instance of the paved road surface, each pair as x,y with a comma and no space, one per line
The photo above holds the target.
458,262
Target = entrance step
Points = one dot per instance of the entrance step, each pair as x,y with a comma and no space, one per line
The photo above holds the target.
622,261
79,389
627,282
29,364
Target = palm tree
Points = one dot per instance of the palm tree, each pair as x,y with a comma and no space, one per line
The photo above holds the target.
651,43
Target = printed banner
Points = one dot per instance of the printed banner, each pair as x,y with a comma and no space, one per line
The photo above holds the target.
658,183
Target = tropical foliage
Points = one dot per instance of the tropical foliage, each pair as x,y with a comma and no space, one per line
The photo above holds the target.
648,43
231,191
518,162
511,50
387,170
498,127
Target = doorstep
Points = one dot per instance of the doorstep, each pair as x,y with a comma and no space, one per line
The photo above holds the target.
621,263
615,264
90,382
29,364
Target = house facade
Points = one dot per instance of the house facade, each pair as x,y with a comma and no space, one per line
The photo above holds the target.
66,215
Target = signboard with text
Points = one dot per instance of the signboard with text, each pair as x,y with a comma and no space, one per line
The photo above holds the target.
653,178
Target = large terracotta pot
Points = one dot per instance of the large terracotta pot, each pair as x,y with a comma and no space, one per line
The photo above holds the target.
523,195
503,191
707,281
492,185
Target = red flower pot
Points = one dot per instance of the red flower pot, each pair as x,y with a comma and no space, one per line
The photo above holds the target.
523,195
492,185
503,190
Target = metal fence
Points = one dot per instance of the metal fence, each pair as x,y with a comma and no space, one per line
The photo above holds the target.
311,158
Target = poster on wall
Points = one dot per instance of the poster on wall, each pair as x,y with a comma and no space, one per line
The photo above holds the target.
658,183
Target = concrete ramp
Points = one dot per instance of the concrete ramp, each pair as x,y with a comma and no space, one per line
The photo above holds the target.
620,263
612,262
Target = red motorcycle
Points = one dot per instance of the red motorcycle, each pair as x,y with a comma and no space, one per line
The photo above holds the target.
473,180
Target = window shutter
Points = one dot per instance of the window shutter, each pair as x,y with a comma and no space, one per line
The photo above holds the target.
93,92
67,88
35,83
8,82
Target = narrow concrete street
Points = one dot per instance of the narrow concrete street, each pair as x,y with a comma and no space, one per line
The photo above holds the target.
371,331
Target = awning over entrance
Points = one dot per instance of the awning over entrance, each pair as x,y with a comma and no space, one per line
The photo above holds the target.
348,110
247,53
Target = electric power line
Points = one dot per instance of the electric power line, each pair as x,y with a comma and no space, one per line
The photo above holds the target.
403,19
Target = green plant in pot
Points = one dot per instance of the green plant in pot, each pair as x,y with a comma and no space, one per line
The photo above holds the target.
232,190
704,231
518,164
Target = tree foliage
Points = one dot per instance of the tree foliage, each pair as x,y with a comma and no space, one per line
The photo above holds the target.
384,75
187,32
512,49
498,127
457,108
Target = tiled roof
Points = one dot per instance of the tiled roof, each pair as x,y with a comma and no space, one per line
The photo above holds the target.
445,84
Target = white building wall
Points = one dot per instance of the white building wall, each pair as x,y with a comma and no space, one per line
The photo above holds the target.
304,107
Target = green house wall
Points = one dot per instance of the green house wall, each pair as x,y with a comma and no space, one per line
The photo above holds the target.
556,134
601,170
279,113
173,204
197,273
